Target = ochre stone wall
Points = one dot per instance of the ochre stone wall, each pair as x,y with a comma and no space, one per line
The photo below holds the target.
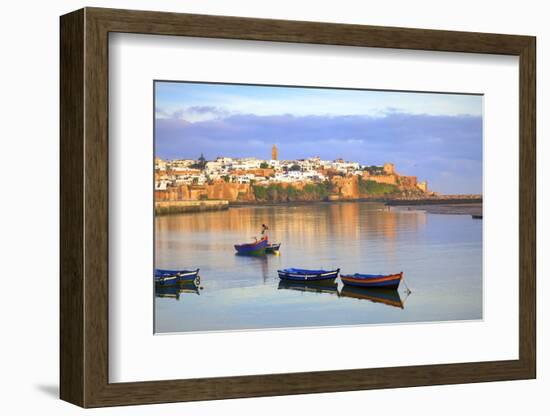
230,191
423,186
257,172
407,182
347,187
177,193
388,179
389,168
343,188
218,190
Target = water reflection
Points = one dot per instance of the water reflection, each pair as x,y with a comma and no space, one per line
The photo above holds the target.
313,287
257,262
303,225
174,292
441,256
390,297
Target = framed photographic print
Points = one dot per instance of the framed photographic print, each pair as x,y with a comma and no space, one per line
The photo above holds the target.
255,207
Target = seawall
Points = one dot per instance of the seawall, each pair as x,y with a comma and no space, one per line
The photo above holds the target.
180,207
437,200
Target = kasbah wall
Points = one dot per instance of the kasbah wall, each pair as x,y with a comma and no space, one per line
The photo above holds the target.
217,190
344,187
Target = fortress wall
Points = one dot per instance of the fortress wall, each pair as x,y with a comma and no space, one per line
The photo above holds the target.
423,186
408,182
387,179
347,187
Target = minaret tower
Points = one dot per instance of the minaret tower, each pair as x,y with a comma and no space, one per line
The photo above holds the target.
274,153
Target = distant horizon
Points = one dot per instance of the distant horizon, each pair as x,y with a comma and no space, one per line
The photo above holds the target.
434,136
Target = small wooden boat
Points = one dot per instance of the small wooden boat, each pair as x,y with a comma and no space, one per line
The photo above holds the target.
306,275
251,249
388,297
272,248
388,281
175,277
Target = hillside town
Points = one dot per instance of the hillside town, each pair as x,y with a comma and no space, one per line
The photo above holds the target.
273,180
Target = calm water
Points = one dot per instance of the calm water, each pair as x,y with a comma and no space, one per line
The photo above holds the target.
440,255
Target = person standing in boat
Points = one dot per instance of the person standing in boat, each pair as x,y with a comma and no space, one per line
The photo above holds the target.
264,230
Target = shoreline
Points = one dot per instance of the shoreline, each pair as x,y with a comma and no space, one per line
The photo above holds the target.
436,201
452,204
183,207
475,210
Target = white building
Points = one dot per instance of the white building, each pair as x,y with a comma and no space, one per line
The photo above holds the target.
161,185
213,166
343,166
160,164
246,163
180,163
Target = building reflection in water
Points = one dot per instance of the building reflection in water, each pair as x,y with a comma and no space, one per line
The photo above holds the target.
305,225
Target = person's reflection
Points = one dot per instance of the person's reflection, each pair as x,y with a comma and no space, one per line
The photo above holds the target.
265,269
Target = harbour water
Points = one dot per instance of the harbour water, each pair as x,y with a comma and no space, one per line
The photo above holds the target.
440,255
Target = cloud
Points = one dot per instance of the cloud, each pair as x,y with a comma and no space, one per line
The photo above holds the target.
445,150
193,114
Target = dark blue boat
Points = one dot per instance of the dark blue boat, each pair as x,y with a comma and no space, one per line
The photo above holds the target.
174,277
388,281
253,249
306,275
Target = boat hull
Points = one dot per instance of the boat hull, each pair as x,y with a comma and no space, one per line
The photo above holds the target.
252,249
176,277
391,281
308,275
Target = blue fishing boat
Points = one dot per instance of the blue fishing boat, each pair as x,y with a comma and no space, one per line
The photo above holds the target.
388,281
174,277
252,249
306,275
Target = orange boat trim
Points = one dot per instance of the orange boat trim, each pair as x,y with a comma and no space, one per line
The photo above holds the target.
377,280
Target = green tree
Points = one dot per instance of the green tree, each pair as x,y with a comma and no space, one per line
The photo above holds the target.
260,192
201,163
367,187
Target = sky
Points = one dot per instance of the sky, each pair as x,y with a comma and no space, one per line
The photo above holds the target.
436,137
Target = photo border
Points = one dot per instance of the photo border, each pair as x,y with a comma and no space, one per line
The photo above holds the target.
84,213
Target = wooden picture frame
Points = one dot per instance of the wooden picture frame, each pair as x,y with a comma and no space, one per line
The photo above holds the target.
84,207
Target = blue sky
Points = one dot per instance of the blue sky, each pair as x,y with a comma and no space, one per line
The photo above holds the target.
437,137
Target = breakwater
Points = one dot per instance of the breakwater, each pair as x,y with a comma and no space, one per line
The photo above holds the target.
437,200
180,207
